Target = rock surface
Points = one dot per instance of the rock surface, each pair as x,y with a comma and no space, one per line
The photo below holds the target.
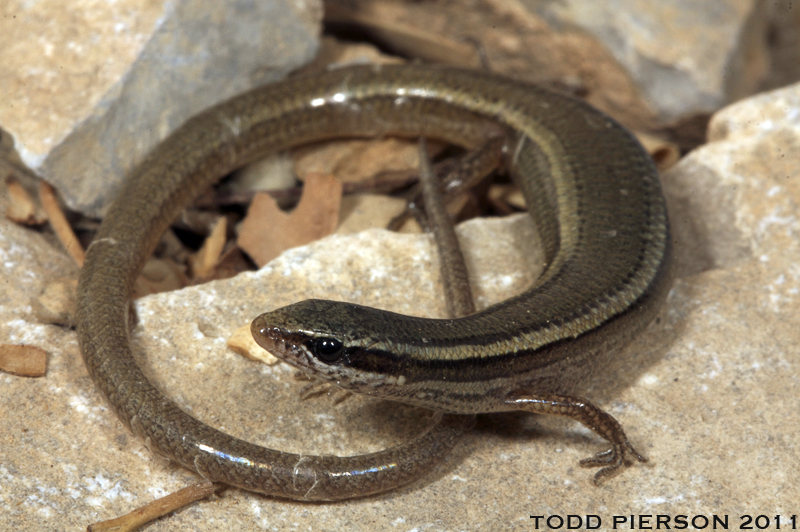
709,394
108,80
687,57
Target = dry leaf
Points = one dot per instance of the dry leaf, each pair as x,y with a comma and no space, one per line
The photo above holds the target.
506,199
267,231
515,42
231,263
59,223
23,360
203,262
332,51
381,20
57,303
359,160
664,153
273,172
242,342
368,211
21,207
159,275
515,10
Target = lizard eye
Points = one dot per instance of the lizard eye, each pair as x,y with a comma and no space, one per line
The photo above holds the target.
328,350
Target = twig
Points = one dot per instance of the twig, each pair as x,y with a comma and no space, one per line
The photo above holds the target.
59,223
141,516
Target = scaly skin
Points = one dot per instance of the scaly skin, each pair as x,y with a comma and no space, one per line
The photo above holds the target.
594,196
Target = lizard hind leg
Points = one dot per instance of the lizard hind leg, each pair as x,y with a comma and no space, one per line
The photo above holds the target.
612,461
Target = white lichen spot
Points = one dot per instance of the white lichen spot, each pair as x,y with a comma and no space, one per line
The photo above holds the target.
650,379
774,218
506,281
80,404
766,125
48,48
105,491
377,273
5,474
779,294
255,508
42,509
157,492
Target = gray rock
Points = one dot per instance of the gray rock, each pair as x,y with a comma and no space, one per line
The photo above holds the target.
688,57
200,53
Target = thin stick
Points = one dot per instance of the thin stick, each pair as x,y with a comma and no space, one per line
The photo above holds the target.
151,511
59,223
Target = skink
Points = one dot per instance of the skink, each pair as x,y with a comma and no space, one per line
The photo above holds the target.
595,198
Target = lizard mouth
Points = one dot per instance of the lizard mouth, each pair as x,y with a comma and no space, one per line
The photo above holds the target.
280,342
